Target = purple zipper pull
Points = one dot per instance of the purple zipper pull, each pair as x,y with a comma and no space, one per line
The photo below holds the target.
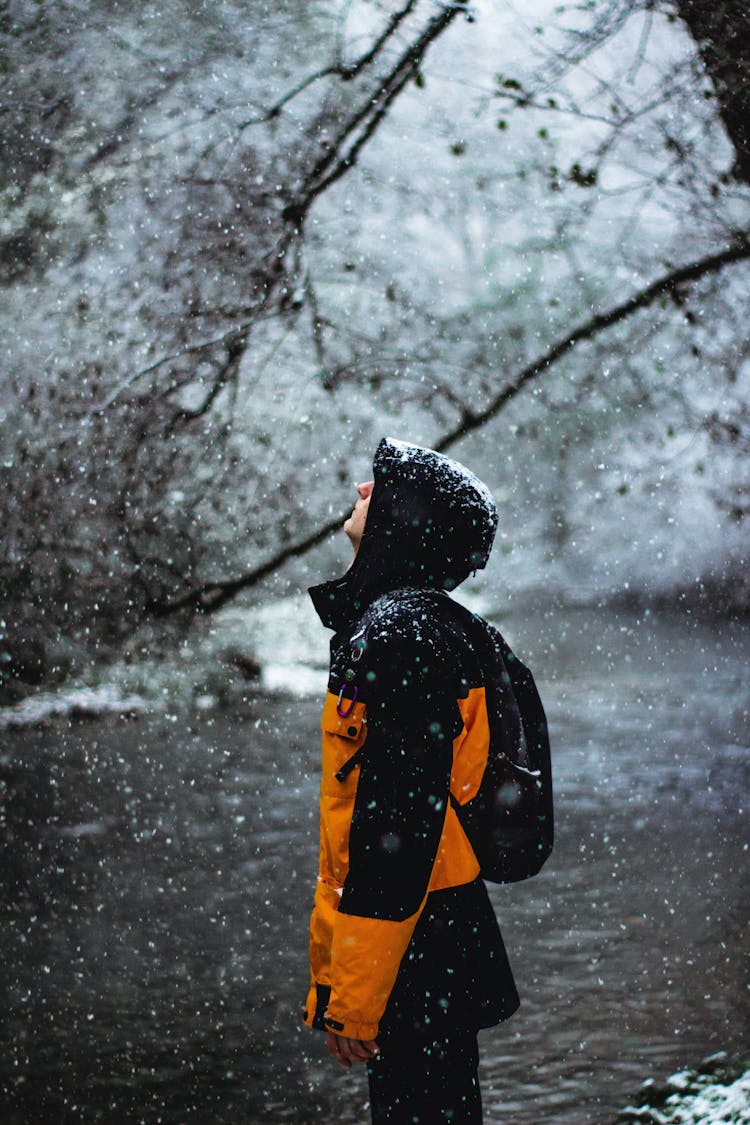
339,710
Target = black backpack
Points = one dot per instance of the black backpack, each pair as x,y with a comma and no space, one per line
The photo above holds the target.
509,822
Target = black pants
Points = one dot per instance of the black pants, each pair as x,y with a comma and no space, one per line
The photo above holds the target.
419,1081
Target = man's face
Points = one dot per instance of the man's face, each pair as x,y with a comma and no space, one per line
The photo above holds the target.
355,525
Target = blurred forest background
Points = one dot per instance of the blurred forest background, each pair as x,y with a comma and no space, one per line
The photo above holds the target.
240,241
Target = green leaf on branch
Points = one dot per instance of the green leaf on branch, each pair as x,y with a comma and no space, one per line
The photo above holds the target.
583,177
509,83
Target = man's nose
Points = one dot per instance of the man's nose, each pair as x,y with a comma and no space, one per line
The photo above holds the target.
365,490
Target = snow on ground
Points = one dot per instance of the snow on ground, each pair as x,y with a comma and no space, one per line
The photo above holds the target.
695,1099
283,637
78,702
287,640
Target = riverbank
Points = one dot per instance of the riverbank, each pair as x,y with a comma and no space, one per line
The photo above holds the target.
716,1093
241,654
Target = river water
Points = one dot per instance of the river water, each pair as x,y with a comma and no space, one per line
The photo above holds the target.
157,879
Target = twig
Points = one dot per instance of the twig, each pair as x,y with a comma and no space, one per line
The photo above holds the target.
340,70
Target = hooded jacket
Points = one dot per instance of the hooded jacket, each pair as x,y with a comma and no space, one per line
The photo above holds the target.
402,928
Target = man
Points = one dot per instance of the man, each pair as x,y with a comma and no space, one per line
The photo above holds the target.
407,961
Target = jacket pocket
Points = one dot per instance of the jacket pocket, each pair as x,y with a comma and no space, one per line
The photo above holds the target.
343,736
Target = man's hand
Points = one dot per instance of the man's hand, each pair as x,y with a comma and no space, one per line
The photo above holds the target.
348,1051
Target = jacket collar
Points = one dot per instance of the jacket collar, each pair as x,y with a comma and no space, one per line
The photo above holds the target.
330,600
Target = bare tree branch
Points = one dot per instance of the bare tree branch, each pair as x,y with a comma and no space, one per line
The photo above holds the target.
361,126
342,155
227,373
669,284
345,71
210,596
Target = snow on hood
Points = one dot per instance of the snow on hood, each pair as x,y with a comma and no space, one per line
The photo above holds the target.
430,523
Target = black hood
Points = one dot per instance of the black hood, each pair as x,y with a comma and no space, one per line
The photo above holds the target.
430,523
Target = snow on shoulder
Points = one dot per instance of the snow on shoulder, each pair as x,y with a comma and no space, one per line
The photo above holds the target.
406,619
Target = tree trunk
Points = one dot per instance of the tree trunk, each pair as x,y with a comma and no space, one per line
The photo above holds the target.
721,31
